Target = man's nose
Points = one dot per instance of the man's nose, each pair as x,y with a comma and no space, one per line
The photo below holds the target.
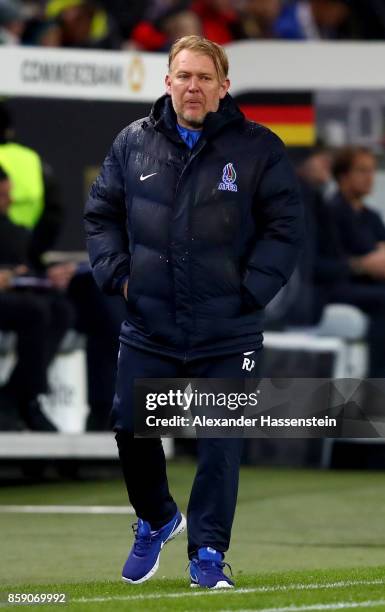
193,84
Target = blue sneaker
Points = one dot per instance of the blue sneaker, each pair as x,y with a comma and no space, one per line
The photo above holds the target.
143,560
207,570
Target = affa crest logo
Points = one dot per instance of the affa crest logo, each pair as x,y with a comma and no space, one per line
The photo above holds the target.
229,177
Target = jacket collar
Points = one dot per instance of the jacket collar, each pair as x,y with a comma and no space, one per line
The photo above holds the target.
163,117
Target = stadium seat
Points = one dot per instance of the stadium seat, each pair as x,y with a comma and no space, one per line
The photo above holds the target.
341,332
350,325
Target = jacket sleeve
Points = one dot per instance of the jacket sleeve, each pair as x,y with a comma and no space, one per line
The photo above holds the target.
105,223
279,223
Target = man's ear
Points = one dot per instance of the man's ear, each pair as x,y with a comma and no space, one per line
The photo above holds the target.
224,89
167,81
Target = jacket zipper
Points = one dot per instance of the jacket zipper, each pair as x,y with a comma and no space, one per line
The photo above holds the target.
191,157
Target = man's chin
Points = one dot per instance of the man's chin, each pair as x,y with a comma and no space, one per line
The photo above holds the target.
193,122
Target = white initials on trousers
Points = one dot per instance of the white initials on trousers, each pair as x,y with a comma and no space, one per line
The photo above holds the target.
248,364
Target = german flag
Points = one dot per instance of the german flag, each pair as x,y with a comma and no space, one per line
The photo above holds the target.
290,115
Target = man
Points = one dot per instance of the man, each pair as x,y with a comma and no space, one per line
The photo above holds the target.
298,301
36,205
35,197
351,248
315,19
39,317
80,24
12,22
195,218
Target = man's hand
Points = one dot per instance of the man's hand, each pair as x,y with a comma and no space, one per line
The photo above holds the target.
5,279
372,264
8,274
61,275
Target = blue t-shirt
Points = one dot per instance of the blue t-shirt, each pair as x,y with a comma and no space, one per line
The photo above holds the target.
190,137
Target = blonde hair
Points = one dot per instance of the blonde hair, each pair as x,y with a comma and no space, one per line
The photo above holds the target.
204,47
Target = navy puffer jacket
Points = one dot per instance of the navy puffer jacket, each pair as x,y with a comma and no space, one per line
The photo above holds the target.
206,237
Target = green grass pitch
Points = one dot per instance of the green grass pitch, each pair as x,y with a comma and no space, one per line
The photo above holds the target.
302,540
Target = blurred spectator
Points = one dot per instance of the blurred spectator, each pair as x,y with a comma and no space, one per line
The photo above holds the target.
220,21
179,24
350,265
315,170
258,18
99,318
361,229
12,22
315,19
80,24
35,196
38,315
315,177
297,303
316,167
38,30
159,33
126,13
37,210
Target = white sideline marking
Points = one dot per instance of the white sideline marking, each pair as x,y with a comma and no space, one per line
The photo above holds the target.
67,509
262,589
338,605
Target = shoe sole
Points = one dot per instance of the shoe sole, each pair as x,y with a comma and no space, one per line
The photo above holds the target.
181,527
220,585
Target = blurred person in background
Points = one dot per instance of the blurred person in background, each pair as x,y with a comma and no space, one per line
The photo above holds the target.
35,197
258,18
38,30
127,14
12,22
315,19
220,21
180,23
39,315
350,248
36,207
297,303
163,26
80,24
315,170
315,180
361,229
100,325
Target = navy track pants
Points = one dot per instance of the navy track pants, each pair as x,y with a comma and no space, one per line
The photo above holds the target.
214,492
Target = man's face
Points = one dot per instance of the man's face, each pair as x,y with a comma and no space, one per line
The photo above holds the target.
329,13
194,88
317,169
5,195
359,180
